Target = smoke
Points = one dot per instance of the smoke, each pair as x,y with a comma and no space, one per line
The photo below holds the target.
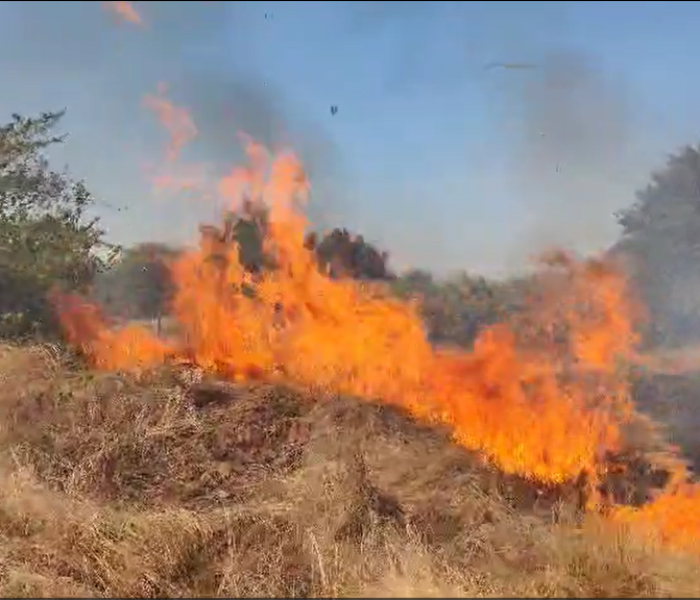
573,147
569,130
79,56
577,156
409,66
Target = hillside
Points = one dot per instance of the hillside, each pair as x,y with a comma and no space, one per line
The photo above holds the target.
172,484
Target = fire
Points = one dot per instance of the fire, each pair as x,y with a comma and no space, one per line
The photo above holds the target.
546,409
172,175
544,397
176,120
130,348
673,518
124,10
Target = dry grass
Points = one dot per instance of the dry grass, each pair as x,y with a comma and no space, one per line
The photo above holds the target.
163,487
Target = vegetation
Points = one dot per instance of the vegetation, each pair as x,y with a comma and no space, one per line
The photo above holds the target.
138,286
46,239
168,486
171,483
661,243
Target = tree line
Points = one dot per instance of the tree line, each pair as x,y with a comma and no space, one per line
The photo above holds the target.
48,241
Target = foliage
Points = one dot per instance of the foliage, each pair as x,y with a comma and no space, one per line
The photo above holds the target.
661,242
46,239
139,285
455,309
339,253
342,254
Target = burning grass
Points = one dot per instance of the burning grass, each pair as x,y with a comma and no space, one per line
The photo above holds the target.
546,398
170,485
330,448
547,409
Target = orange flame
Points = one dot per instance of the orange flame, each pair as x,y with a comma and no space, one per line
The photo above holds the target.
173,176
130,348
176,120
518,406
181,130
543,397
124,10
673,517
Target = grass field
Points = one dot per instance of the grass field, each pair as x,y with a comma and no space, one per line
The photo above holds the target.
172,485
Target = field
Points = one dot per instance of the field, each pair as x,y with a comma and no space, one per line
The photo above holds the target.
175,484
304,420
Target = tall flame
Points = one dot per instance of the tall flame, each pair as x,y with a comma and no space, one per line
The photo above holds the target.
544,397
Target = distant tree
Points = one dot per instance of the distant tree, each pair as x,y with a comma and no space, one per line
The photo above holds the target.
415,282
339,253
661,243
46,239
246,227
457,308
139,285
342,254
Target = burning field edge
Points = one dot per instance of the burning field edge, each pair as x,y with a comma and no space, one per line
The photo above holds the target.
299,434
174,483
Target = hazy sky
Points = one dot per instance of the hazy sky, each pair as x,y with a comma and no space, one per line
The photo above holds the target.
445,161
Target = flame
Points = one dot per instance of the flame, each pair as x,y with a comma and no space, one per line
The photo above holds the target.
131,348
172,175
524,406
124,10
176,120
673,518
544,397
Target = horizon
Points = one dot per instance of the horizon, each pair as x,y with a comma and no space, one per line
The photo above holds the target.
509,128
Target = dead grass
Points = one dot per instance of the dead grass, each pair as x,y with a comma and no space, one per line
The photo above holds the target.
161,487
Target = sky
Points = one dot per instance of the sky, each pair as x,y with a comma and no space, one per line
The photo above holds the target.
435,153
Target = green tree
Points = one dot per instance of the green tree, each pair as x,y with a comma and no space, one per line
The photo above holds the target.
139,284
455,309
661,244
46,239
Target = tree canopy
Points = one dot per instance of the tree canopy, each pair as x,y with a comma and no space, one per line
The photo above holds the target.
342,254
139,285
339,253
661,242
46,238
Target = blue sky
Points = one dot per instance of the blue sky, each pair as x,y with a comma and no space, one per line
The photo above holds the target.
447,164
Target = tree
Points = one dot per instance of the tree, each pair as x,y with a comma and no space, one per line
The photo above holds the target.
339,253
455,309
661,244
46,240
247,227
139,285
342,254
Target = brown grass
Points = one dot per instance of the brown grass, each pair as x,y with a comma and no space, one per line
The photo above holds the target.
168,486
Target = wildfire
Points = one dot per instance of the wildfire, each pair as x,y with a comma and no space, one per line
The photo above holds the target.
176,121
673,518
544,397
543,410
